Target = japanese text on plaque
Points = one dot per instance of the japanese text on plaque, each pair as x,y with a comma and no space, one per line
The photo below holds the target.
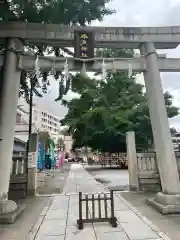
84,45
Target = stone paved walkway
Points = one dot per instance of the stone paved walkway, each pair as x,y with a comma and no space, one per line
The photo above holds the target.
58,219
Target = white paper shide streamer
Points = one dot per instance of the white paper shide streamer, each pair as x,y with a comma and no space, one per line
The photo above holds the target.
104,72
130,71
37,68
66,69
70,94
53,70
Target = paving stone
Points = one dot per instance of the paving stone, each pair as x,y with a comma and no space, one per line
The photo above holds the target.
57,199
73,208
72,218
72,221
164,236
56,214
119,205
127,216
52,228
74,211
76,181
58,237
154,239
59,205
106,227
61,218
112,235
44,211
72,233
74,203
61,198
139,231
74,198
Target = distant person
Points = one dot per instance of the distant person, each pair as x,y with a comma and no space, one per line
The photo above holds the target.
47,161
66,155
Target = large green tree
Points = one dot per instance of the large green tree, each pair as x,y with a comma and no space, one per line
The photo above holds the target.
55,11
107,110
67,12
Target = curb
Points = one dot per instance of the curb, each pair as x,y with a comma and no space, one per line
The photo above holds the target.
157,230
34,230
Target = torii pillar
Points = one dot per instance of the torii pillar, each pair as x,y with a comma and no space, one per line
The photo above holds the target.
9,90
169,200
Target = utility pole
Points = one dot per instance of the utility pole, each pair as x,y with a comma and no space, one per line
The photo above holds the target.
30,107
30,113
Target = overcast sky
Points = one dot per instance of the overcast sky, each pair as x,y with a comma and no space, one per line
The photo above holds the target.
137,13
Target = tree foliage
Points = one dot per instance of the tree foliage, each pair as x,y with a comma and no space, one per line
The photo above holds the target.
107,110
46,140
56,12
67,12
174,132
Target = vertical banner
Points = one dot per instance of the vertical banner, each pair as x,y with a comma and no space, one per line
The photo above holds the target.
41,156
83,44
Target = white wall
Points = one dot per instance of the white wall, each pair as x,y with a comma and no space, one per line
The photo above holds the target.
68,143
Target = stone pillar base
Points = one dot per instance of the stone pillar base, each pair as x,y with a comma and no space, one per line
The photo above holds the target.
165,204
9,211
134,188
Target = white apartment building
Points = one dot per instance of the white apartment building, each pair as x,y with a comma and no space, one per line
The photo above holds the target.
46,121
42,120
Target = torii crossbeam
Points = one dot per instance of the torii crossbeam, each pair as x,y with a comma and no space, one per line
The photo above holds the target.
145,39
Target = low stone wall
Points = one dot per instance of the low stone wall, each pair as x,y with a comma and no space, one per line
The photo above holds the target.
142,167
18,180
148,174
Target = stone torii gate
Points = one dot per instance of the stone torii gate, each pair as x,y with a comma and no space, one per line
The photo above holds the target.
145,39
